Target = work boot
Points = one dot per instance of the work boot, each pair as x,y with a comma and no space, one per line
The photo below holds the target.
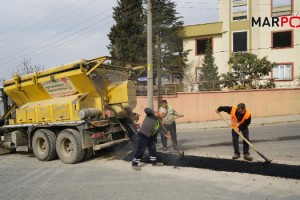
136,167
248,157
236,156
158,164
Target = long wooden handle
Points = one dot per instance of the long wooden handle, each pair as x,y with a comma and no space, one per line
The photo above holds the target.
237,132
170,138
174,118
247,141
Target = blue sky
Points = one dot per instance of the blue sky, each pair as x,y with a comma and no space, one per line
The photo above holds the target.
56,32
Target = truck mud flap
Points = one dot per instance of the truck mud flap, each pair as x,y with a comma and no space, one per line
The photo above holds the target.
132,132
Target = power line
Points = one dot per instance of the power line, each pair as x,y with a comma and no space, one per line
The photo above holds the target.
31,47
64,43
33,25
32,17
80,37
54,43
70,35
70,42
56,35
220,3
58,46
198,8
255,49
84,33
23,30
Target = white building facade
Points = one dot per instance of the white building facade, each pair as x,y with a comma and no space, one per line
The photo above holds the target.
266,28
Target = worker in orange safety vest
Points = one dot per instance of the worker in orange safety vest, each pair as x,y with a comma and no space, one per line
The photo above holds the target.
240,120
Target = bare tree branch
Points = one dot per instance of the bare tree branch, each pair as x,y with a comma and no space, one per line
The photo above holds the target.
26,67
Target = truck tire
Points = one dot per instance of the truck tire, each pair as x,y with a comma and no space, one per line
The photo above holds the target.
43,144
69,146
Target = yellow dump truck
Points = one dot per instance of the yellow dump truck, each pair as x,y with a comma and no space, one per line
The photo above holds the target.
71,110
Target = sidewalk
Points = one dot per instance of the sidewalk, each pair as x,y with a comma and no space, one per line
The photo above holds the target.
222,124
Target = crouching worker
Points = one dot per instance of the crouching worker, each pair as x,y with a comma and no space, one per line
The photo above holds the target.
240,120
147,137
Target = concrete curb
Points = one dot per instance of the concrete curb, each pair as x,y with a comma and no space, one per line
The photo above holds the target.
222,124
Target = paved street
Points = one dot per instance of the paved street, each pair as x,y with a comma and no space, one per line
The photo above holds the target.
279,142
108,176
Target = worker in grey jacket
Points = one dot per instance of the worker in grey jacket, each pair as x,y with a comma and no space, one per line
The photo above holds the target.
169,123
147,137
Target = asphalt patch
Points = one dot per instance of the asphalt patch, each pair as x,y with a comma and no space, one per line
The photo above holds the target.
219,164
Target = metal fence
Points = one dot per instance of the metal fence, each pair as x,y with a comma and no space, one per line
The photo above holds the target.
168,89
219,85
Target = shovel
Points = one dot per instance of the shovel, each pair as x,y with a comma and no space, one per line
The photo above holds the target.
174,118
180,153
247,141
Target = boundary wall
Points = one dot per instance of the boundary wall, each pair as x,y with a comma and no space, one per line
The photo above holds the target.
200,106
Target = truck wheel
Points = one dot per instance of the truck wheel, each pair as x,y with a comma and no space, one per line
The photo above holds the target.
43,144
69,146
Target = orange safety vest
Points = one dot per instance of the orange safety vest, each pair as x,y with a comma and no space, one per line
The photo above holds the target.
234,121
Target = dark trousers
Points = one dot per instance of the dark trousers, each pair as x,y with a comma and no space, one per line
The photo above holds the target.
235,141
172,129
143,143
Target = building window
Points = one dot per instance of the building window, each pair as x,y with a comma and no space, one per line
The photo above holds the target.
282,39
201,45
239,9
240,41
282,7
283,72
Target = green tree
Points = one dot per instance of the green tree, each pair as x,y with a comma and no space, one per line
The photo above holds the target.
249,69
128,36
209,72
167,24
229,80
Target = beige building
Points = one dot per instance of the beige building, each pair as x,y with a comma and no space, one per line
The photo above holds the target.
264,27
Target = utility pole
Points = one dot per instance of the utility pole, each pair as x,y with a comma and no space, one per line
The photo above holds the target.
158,64
149,56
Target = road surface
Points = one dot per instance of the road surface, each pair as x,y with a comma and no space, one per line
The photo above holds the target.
108,176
